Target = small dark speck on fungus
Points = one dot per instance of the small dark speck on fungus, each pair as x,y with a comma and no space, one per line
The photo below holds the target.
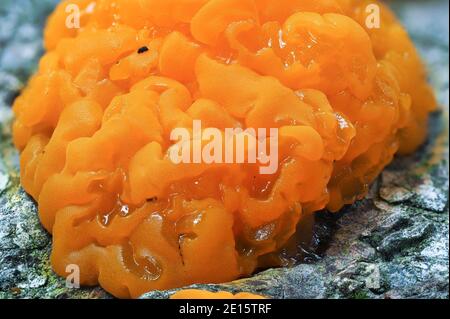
142,50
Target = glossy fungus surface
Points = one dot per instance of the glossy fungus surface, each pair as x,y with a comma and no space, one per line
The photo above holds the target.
93,128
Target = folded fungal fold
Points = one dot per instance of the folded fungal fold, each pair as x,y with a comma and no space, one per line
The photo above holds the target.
93,127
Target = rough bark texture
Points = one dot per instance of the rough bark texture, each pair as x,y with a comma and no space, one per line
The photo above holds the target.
394,244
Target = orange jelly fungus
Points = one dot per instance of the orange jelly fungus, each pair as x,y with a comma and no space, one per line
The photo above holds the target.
203,294
93,127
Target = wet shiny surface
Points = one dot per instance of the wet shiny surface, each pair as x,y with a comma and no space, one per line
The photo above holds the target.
264,229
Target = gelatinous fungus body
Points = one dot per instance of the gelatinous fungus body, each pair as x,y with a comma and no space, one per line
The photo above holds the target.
202,294
94,123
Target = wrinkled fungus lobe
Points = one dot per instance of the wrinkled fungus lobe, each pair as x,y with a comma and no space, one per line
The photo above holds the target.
203,294
93,127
